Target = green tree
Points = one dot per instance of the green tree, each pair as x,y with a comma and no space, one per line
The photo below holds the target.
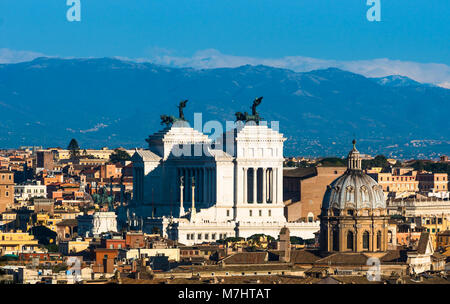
74,148
297,240
52,247
378,161
258,235
333,162
119,155
290,164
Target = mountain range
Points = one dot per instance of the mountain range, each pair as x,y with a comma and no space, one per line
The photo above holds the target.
112,102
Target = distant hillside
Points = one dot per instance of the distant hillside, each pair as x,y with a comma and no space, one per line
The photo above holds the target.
109,102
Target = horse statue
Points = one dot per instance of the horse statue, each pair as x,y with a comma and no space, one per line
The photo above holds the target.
241,116
167,120
245,117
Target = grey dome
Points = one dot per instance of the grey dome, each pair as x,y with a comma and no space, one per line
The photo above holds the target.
355,190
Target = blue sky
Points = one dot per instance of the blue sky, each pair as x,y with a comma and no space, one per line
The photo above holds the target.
182,32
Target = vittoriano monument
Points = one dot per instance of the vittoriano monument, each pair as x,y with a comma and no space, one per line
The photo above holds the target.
169,120
245,117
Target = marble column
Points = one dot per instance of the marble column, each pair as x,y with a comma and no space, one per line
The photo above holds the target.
279,199
255,173
264,185
271,184
245,186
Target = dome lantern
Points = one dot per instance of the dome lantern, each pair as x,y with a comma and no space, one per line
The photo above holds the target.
354,158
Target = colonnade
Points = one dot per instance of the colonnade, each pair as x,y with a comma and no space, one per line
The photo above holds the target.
259,185
205,184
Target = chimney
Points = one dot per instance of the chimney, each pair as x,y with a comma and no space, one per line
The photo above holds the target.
285,245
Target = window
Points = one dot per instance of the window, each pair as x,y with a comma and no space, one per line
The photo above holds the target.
250,212
228,212
260,212
270,212
199,236
188,236
206,236
335,236
379,240
213,236
366,240
350,240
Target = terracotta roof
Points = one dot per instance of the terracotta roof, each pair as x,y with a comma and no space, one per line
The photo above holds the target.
329,280
343,259
68,222
395,256
423,242
300,172
444,233
247,258
304,256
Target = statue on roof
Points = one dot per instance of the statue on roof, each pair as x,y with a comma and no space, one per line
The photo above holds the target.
180,107
256,103
168,120
245,117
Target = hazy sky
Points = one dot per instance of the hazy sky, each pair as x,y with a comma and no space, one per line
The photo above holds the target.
414,31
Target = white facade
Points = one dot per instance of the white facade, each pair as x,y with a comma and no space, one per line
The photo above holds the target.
137,253
27,191
238,187
104,222
96,224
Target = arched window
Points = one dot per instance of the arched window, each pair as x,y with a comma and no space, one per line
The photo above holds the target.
379,240
350,240
366,240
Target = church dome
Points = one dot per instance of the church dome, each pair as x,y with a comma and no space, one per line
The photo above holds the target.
354,189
